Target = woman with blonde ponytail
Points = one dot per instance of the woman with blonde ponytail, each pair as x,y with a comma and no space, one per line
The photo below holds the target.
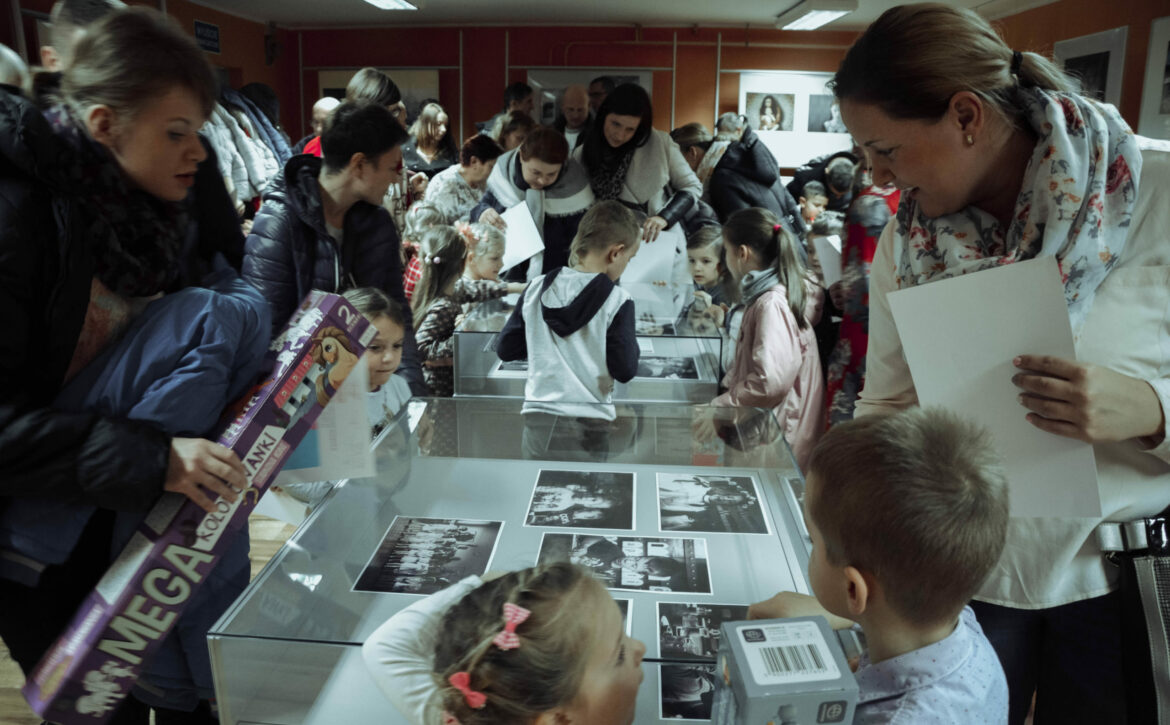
776,364
1000,160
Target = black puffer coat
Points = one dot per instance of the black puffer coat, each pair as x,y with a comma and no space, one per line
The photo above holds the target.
45,274
290,253
748,176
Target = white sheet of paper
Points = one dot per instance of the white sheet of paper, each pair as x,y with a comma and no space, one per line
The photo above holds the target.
343,435
523,239
276,504
655,260
828,251
960,336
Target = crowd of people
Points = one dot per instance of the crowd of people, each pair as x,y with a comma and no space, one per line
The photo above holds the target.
128,234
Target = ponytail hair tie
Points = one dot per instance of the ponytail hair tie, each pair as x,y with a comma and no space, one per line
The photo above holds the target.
776,229
436,260
1017,61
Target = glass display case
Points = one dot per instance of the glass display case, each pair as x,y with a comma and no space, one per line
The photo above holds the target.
679,363
289,650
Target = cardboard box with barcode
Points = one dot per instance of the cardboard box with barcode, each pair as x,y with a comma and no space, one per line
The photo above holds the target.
95,662
782,672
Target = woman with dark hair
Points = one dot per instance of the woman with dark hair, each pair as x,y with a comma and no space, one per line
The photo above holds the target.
431,149
1000,159
628,160
541,175
771,115
115,371
455,191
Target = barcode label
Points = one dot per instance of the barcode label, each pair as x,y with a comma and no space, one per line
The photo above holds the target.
787,652
801,659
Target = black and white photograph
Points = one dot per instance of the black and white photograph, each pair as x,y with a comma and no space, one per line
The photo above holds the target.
634,563
771,111
582,500
686,691
667,368
710,503
624,605
1092,71
1097,60
423,556
513,368
689,631
824,115
1155,110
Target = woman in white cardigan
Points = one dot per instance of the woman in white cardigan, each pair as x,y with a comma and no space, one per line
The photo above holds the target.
1001,160
628,160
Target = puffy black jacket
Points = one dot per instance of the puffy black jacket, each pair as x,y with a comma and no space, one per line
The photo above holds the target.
290,253
45,275
748,176
814,170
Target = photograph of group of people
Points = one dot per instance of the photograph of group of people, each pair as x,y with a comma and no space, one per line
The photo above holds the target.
423,556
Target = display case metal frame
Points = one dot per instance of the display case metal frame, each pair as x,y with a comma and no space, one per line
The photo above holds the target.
288,651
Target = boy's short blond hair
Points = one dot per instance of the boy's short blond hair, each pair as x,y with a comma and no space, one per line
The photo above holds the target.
605,224
916,498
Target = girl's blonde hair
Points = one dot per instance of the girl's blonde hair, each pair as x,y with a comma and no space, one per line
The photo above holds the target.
373,303
484,240
419,218
710,237
775,246
544,672
443,254
914,58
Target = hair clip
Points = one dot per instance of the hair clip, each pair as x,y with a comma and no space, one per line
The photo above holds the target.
436,260
462,681
514,616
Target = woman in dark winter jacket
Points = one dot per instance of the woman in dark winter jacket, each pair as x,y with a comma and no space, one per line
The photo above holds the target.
321,225
107,384
748,176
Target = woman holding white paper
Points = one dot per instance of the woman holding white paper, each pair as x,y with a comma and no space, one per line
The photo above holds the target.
999,160
554,187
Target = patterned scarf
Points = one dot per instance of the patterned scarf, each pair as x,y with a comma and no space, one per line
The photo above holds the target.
609,176
569,195
135,238
1075,204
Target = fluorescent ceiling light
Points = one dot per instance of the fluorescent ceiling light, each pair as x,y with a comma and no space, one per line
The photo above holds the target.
812,14
392,4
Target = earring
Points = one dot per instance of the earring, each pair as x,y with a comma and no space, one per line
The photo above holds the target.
970,140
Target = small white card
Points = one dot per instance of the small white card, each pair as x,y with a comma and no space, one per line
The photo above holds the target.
828,251
960,335
523,239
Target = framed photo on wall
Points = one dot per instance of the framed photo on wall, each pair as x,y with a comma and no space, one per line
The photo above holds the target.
1098,60
548,85
416,85
794,114
1155,116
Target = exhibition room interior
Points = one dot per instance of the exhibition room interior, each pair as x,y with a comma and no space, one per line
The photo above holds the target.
697,59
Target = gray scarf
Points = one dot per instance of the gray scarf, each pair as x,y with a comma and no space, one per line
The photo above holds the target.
756,283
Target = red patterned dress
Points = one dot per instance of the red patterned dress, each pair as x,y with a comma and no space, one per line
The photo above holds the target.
865,220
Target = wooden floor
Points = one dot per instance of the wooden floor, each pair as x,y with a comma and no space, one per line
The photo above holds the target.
268,535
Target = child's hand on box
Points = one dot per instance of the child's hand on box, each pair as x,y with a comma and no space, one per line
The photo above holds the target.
791,604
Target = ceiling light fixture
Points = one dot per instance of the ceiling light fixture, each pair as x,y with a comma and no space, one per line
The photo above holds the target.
392,4
812,14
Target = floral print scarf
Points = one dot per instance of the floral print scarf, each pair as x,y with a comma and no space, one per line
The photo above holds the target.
1075,204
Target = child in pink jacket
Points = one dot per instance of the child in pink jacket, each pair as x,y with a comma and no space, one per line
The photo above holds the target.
776,363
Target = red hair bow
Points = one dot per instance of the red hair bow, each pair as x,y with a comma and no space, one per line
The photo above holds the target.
514,616
462,681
